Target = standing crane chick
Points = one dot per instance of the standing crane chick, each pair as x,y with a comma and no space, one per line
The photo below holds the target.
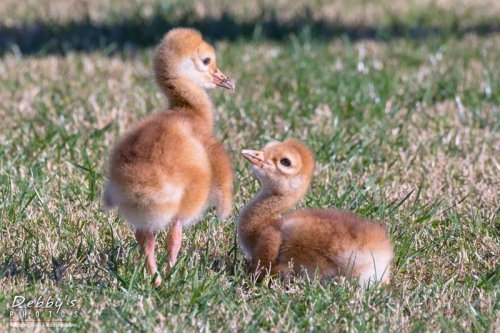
162,173
330,242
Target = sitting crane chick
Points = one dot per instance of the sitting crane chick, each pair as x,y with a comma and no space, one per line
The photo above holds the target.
329,242
163,172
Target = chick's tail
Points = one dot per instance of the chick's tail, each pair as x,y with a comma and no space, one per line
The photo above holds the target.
109,199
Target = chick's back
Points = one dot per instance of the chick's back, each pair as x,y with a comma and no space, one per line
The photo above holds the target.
316,238
162,154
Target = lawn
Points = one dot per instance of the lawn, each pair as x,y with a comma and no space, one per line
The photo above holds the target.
399,101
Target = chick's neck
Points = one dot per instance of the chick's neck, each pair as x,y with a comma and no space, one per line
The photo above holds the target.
259,213
184,95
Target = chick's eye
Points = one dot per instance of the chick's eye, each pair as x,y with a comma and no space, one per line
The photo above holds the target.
285,162
206,61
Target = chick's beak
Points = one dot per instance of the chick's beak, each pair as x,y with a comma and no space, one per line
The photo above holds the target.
255,157
221,80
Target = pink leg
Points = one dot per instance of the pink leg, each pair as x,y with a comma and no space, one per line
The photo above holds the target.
175,239
146,240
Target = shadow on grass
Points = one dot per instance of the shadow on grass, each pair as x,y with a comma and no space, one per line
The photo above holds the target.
81,266
130,33
105,266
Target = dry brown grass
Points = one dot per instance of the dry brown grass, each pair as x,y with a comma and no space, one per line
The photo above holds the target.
347,12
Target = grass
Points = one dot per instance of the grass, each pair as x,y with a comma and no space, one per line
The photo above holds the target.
403,120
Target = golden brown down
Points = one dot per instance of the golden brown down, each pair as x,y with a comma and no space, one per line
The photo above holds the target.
329,242
163,171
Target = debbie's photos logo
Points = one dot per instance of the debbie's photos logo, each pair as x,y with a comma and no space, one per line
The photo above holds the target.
44,311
